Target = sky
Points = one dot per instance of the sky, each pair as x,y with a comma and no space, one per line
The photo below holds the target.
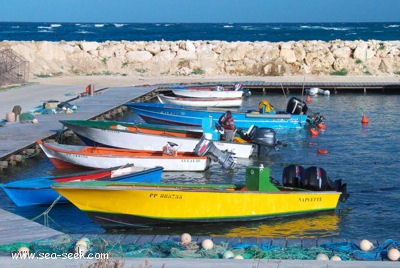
200,11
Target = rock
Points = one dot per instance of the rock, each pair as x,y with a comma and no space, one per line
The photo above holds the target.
139,56
212,57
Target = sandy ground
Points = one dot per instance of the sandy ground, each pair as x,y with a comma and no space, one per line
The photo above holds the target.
63,88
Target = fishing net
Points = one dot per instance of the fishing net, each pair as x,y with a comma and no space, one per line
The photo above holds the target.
26,118
170,249
377,253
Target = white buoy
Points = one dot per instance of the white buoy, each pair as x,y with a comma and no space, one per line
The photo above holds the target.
35,121
207,244
186,238
228,255
335,258
23,252
322,257
393,254
238,257
82,246
366,245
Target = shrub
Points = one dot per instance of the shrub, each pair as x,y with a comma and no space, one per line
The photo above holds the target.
340,72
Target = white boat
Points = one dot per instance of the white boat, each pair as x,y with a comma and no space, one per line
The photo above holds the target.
211,92
204,93
67,156
141,137
317,91
200,102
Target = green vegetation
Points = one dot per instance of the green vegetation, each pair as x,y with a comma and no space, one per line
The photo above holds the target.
198,71
358,61
141,70
43,75
367,72
382,46
341,72
107,73
104,60
125,64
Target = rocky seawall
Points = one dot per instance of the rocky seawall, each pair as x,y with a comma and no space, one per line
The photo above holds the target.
209,57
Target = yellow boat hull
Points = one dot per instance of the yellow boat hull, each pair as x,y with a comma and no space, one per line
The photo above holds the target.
129,204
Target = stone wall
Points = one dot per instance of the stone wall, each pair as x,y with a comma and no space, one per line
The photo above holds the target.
209,57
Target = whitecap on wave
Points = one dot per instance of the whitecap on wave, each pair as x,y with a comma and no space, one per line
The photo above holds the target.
318,27
44,27
83,32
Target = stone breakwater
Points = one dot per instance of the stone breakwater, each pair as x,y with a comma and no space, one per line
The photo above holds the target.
209,57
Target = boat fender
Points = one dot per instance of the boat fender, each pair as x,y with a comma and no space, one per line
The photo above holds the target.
265,107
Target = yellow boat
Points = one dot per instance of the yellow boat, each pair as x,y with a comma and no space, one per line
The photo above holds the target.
112,204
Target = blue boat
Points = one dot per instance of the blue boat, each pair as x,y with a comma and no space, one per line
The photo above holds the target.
294,117
38,191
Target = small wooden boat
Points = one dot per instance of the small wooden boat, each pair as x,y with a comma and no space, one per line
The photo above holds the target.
127,135
67,156
210,92
294,118
200,102
168,204
37,191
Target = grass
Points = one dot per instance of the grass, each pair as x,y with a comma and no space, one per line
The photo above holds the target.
125,64
43,75
341,72
141,70
104,60
198,71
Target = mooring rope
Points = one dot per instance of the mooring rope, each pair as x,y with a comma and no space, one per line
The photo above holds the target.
45,214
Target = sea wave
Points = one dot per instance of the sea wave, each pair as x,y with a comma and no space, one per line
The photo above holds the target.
316,27
272,32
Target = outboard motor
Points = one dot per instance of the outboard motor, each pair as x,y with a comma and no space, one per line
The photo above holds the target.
314,119
316,179
264,138
239,87
207,147
296,106
292,176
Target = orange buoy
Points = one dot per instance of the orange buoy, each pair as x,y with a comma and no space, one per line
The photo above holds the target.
308,99
322,151
312,143
364,119
321,126
314,132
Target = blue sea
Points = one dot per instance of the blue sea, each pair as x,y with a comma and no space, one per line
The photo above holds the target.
272,32
366,157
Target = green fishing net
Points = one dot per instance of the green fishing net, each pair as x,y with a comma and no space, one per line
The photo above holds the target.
170,249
